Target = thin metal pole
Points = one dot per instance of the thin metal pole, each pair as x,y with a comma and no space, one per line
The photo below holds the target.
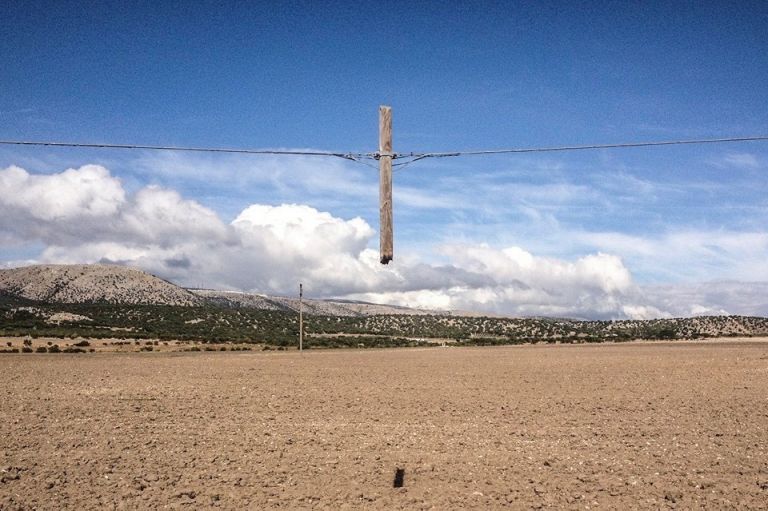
301,317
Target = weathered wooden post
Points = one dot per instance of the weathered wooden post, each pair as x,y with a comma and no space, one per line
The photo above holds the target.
386,250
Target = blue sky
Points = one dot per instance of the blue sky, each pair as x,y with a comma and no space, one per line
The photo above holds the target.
459,75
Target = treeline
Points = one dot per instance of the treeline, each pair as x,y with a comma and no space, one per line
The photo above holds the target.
211,323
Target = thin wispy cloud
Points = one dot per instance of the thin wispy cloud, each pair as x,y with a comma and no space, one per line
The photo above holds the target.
739,161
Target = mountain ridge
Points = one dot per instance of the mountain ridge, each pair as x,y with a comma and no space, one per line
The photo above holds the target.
92,283
116,284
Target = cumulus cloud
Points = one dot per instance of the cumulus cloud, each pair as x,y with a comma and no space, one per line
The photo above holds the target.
58,206
710,298
89,191
687,254
514,281
85,215
303,230
160,216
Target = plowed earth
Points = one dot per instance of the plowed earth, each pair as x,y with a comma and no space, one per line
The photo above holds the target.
612,426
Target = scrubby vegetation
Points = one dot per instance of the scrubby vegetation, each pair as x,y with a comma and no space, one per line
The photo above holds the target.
163,322
486,330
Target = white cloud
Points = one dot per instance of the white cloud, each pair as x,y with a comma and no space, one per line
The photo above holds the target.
296,242
85,215
90,205
512,265
644,312
304,229
687,254
163,217
708,298
89,191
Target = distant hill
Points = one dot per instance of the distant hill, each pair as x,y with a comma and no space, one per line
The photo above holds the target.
92,283
65,301
343,308
103,283
100,283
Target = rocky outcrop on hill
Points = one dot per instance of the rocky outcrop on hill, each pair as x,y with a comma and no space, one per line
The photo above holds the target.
89,283
235,299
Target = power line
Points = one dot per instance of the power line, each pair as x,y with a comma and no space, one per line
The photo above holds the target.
413,156
421,156
346,156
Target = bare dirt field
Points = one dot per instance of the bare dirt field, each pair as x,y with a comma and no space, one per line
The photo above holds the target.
611,426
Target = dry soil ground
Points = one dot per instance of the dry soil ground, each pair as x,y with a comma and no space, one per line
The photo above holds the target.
641,425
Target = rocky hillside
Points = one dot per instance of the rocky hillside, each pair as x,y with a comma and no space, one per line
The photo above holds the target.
101,283
92,283
342,308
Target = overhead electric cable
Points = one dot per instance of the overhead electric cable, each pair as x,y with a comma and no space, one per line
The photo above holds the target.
346,156
414,156
421,156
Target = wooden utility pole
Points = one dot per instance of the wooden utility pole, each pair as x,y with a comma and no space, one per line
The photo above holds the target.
385,185
301,317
